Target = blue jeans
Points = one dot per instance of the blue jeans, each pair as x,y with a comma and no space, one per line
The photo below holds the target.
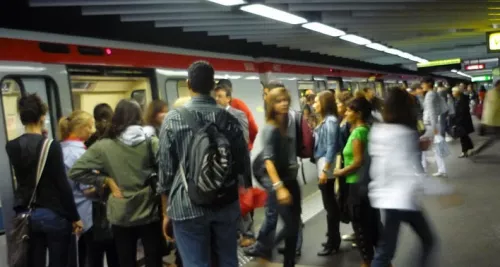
49,231
386,246
267,238
216,233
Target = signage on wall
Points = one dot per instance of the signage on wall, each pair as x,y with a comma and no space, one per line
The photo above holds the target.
440,65
484,78
475,67
442,62
493,39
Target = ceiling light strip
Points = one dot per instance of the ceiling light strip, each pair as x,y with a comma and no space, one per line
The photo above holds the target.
273,13
279,15
228,2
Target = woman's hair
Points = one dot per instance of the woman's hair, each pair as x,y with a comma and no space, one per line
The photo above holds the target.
399,108
181,101
31,109
344,97
103,113
328,104
359,94
271,100
155,107
76,119
127,113
361,105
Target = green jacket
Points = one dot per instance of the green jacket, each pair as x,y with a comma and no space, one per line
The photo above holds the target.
127,163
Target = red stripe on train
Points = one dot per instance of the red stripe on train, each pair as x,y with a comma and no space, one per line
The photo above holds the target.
26,50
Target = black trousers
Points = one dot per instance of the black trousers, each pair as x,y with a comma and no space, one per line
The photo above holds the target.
387,245
332,212
466,143
126,244
365,223
290,214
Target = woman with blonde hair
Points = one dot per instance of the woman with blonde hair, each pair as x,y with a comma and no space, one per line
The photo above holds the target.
281,187
74,130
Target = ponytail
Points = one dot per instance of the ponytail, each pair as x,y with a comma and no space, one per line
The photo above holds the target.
67,125
64,131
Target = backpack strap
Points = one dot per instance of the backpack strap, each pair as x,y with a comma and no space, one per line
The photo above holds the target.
39,169
151,155
190,119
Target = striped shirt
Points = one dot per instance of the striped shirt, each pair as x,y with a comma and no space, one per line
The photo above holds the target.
175,136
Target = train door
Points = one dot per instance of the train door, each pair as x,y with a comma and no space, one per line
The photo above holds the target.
50,82
91,85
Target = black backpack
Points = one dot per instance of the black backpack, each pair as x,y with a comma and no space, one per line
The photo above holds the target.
206,168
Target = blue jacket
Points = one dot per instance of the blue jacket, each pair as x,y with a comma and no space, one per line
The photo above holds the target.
326,139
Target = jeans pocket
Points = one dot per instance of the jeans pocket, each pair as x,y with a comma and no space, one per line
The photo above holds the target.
47,221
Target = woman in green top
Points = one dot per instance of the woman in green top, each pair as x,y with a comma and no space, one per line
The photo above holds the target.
365,220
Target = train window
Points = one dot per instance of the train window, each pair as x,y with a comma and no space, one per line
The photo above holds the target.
182,88
140,97
89,91
13,87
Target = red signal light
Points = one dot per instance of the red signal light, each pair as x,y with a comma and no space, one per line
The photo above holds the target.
108,51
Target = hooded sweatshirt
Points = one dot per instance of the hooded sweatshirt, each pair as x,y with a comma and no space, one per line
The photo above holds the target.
397,175
126,160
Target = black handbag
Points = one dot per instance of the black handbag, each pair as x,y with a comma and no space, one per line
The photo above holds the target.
19,235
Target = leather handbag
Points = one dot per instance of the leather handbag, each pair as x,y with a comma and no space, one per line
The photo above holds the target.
19,235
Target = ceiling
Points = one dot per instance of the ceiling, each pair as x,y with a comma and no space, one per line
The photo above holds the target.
430,29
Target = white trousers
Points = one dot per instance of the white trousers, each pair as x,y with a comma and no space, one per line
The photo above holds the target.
440,164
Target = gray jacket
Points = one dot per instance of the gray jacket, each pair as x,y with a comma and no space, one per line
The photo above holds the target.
242,119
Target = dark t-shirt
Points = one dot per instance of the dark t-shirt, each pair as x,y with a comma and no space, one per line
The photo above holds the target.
53,191
276,148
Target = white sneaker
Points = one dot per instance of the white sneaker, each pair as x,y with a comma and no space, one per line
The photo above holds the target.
440,174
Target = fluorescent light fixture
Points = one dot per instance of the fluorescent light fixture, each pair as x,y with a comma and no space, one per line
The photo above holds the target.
172,72
324,29
455,71
252,78
406,55
377,47
273,13
355,39
228,2
393,51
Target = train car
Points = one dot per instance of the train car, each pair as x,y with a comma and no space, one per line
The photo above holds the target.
70,73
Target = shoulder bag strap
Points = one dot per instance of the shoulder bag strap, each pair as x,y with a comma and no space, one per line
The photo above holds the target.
40,167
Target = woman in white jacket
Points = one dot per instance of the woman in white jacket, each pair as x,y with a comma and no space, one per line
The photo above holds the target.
398,177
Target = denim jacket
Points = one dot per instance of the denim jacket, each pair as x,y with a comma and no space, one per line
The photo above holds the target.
326,140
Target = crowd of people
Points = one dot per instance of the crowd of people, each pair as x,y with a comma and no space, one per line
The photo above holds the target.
172,179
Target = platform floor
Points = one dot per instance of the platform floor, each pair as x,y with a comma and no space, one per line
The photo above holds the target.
469,234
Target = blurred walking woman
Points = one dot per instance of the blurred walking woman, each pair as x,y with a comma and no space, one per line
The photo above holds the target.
398,178
326,147
275,156
54,210
365,220
124,164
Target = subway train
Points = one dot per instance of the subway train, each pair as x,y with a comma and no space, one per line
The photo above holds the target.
71,73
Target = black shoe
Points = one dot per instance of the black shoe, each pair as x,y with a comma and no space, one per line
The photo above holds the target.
253,251
328,250
281,250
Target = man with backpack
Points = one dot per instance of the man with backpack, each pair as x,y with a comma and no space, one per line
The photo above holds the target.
203,154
